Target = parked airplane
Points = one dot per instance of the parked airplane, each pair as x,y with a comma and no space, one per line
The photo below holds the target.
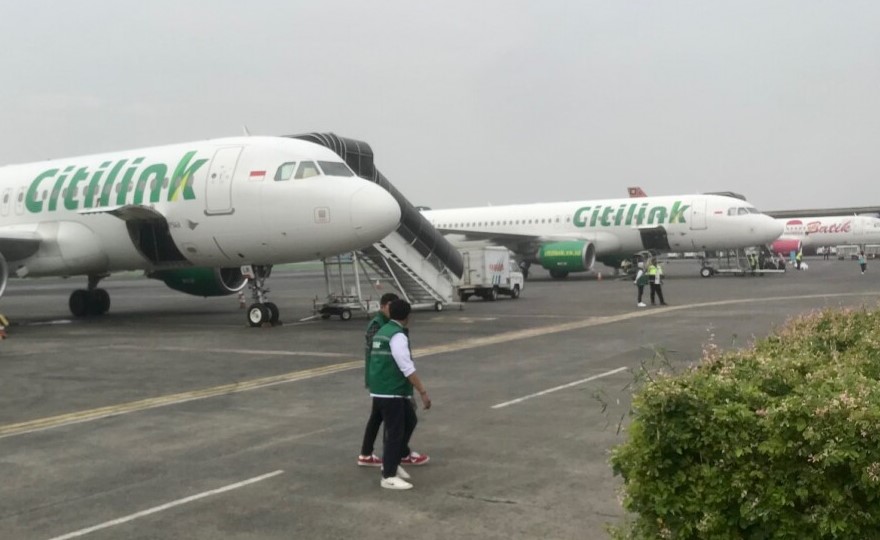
809,233
194,215
571,236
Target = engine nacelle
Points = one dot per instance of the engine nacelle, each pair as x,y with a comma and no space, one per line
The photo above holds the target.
567,256
203,281
784,246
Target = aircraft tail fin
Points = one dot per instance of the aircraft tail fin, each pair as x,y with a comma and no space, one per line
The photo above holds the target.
636,192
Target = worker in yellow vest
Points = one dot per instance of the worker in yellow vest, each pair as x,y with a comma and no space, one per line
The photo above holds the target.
655,278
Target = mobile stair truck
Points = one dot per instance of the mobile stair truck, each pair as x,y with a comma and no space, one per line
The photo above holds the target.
489,272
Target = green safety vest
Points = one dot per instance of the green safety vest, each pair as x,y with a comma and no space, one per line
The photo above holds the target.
384,377
378,322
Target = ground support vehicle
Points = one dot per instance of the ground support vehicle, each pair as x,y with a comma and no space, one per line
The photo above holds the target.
488,273
742,262
848,252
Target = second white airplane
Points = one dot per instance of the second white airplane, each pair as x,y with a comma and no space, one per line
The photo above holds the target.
571,236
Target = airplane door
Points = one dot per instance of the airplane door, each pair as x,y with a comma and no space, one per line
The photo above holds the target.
19,201
7,201
218,187
698,215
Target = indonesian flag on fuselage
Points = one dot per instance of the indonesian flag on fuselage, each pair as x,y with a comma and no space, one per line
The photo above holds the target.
257,176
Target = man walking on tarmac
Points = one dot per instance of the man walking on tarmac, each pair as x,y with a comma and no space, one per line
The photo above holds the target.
655,276
366,457
392,376
640,281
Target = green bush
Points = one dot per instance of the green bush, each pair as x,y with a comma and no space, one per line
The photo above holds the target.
781,440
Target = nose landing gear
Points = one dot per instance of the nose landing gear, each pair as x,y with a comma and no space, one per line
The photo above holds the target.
261,311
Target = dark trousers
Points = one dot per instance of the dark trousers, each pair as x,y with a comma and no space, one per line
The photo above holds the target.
641,292
657,290
864,267
372,431
400,422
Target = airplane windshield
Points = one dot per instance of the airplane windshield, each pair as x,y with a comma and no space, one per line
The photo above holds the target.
335,168
285,171
307,169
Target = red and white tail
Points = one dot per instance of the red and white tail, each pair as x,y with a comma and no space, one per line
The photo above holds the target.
636,192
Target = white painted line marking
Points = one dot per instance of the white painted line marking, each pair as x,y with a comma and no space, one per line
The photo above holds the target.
166,506
556,389
255,352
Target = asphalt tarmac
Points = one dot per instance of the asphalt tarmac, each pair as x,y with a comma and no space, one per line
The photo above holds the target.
170,418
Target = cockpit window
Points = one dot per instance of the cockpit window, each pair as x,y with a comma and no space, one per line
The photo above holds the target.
752,210
335,168
731,211
285,171
743,211
307,169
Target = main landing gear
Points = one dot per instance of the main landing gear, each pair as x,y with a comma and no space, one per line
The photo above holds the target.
261,311
90,301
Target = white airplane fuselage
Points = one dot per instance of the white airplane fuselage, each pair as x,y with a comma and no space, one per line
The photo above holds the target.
222,201
815,232
618,227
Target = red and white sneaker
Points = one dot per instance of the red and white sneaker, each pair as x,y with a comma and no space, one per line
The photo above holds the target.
369,461
414,458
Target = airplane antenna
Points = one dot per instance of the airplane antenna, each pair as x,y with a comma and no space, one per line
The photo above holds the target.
247,132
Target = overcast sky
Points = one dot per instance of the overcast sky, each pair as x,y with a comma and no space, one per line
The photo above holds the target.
472,102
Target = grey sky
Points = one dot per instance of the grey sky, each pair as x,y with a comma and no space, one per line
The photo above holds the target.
467,103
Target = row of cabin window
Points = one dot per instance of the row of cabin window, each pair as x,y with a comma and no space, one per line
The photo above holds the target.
504,222
307,169
107,189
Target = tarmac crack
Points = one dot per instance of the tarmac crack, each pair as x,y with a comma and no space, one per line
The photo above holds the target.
471,497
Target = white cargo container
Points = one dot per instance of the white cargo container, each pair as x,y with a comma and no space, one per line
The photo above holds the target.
489,272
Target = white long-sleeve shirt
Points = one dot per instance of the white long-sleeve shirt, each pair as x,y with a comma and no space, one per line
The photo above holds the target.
400,352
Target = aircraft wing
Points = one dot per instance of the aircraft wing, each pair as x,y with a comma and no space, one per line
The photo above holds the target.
17,245
127,212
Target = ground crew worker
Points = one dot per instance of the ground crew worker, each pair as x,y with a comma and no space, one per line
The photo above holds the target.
863,262
391,377
640,281
798,259
367,458
655,277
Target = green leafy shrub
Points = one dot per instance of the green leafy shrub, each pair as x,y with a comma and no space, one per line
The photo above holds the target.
781,440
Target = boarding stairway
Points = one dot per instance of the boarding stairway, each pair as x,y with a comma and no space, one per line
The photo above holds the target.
415,259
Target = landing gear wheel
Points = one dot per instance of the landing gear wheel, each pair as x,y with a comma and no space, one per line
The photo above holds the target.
345,315
274,314
438,306
79,303
515,293
706,271
98,302
257,314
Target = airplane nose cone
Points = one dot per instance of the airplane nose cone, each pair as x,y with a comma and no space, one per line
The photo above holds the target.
776,228
374,213
771,229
